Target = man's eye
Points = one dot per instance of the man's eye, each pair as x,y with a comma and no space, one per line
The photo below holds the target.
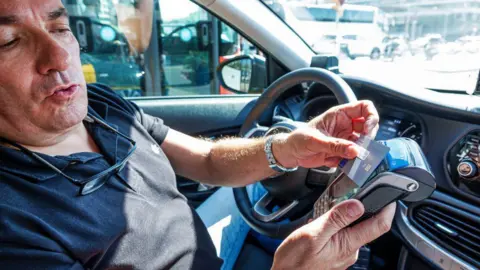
8,44
62,30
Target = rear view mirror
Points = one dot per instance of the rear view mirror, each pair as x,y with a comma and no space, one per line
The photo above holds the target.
243,74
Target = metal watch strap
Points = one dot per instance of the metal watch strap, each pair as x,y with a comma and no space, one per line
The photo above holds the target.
272,162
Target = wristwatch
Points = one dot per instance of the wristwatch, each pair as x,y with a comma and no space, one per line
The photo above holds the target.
272,162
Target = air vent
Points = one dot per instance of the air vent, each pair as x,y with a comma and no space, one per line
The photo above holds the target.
456,231
470,148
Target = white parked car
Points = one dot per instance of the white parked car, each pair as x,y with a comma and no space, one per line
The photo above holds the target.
470,44
363,46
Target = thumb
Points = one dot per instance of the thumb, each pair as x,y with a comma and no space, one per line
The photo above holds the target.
339,217
334,147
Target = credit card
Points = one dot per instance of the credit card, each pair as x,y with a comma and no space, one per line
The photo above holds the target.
360,168
354,174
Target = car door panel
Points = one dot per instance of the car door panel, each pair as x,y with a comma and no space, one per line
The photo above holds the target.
205,116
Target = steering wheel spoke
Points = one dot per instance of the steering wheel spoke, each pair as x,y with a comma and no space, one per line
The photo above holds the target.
260,210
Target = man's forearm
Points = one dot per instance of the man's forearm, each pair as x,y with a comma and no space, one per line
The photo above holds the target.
239,162
227,162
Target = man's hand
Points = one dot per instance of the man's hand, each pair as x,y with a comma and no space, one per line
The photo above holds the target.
328,137
327,242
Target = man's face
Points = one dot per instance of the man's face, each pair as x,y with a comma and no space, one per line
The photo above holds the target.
42,87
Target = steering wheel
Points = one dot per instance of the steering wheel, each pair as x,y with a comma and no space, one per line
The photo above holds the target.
292,189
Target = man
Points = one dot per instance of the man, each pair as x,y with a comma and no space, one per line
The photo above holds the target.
87,179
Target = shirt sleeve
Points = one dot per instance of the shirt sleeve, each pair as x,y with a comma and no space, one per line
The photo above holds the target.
155,126
23,257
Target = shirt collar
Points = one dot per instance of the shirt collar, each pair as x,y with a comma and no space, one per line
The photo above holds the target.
21,164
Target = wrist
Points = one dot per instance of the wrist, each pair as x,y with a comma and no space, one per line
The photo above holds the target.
282,152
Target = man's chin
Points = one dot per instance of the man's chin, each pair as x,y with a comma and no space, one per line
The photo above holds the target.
69,116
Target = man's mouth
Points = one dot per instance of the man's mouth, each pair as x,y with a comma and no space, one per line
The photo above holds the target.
64,92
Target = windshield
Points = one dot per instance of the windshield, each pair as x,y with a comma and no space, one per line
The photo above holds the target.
433,43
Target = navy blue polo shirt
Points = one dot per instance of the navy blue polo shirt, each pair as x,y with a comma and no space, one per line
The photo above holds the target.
46,224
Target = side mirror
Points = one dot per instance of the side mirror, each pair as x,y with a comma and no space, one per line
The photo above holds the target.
245,74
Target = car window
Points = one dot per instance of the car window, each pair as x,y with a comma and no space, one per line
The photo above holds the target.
154,47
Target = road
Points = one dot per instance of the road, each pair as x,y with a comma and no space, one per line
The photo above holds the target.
454,72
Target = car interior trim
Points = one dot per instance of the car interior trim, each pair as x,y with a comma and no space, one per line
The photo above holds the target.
454,202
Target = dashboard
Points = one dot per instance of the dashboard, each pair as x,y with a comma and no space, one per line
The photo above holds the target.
392,127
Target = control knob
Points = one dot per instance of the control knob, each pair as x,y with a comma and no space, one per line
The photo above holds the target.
467,169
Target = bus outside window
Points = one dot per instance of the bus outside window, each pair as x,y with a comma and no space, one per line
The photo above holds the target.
367,23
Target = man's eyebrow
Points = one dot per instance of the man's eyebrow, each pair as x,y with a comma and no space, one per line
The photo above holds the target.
53,15
8,20
58,13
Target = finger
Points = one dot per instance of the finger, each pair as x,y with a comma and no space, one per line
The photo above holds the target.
319,161
333,146
370,229
332,162
353,137
365,109
371,118
339,217
372,133
358,124
362,108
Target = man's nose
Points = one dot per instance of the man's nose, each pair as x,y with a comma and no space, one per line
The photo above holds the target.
53,56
